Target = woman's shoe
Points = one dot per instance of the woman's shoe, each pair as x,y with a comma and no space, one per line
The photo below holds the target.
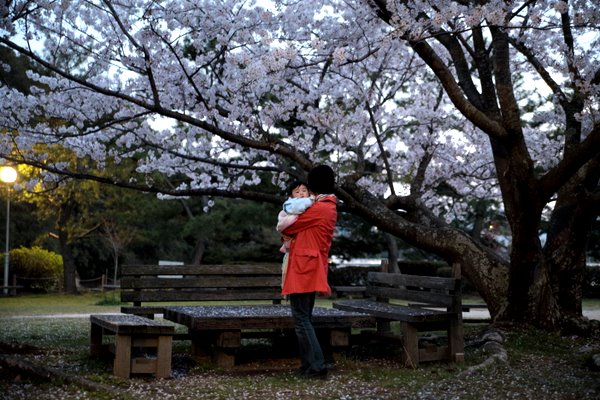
321,374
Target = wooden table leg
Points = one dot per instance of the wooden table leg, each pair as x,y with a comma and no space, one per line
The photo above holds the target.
410,342
201,343
226,345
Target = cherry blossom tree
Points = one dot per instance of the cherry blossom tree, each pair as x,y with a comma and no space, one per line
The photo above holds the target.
427,110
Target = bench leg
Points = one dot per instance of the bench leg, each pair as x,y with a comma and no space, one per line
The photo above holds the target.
96,348
163,356
456,344
410,342
122,364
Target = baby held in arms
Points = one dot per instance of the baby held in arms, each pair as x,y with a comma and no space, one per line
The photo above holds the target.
299,200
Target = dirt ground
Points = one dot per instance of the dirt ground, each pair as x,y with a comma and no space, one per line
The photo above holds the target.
512,366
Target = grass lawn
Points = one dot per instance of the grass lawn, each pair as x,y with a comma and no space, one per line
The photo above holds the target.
84,303
39,304
591,304
539,366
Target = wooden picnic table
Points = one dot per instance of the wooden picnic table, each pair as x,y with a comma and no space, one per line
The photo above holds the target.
218,330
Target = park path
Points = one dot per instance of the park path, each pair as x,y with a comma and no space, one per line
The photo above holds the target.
471,315
484,314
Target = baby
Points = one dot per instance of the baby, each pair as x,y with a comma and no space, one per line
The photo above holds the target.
299,200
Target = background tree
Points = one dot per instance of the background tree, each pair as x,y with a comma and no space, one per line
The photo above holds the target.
419,106
118,239
67,204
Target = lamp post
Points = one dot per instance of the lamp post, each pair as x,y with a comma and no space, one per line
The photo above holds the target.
7,175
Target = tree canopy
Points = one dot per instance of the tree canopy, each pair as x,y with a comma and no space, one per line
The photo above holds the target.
429,112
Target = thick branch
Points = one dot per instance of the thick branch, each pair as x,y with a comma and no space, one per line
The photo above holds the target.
128,184
386,162
539,67
461,67
504,84
477,117
485,73
572,161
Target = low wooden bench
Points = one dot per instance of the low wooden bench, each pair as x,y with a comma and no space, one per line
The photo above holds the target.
440,309
133,334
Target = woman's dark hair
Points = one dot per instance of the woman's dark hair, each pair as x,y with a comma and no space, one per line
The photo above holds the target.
321,180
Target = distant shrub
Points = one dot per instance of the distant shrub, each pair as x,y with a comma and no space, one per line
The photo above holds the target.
37,269
111,299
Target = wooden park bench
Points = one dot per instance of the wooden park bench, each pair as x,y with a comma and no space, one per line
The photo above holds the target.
151,287
439,309
353,291
210,291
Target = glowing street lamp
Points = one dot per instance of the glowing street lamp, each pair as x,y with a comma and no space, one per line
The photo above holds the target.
8,175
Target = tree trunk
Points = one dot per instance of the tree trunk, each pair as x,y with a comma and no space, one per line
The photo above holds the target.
116,264
392,246
64,241
69,267
566,245
199,250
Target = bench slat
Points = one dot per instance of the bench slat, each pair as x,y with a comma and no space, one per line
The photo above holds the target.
418,281
200,295
431,299
209,281
394,312
205,269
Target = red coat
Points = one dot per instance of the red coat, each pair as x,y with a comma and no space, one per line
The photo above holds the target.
309,249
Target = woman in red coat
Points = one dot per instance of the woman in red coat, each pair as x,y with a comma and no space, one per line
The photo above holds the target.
307,270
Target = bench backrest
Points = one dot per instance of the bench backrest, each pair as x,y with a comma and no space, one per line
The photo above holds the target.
181,283
427,291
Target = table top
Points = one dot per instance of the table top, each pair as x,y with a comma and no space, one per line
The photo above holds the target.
267,316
